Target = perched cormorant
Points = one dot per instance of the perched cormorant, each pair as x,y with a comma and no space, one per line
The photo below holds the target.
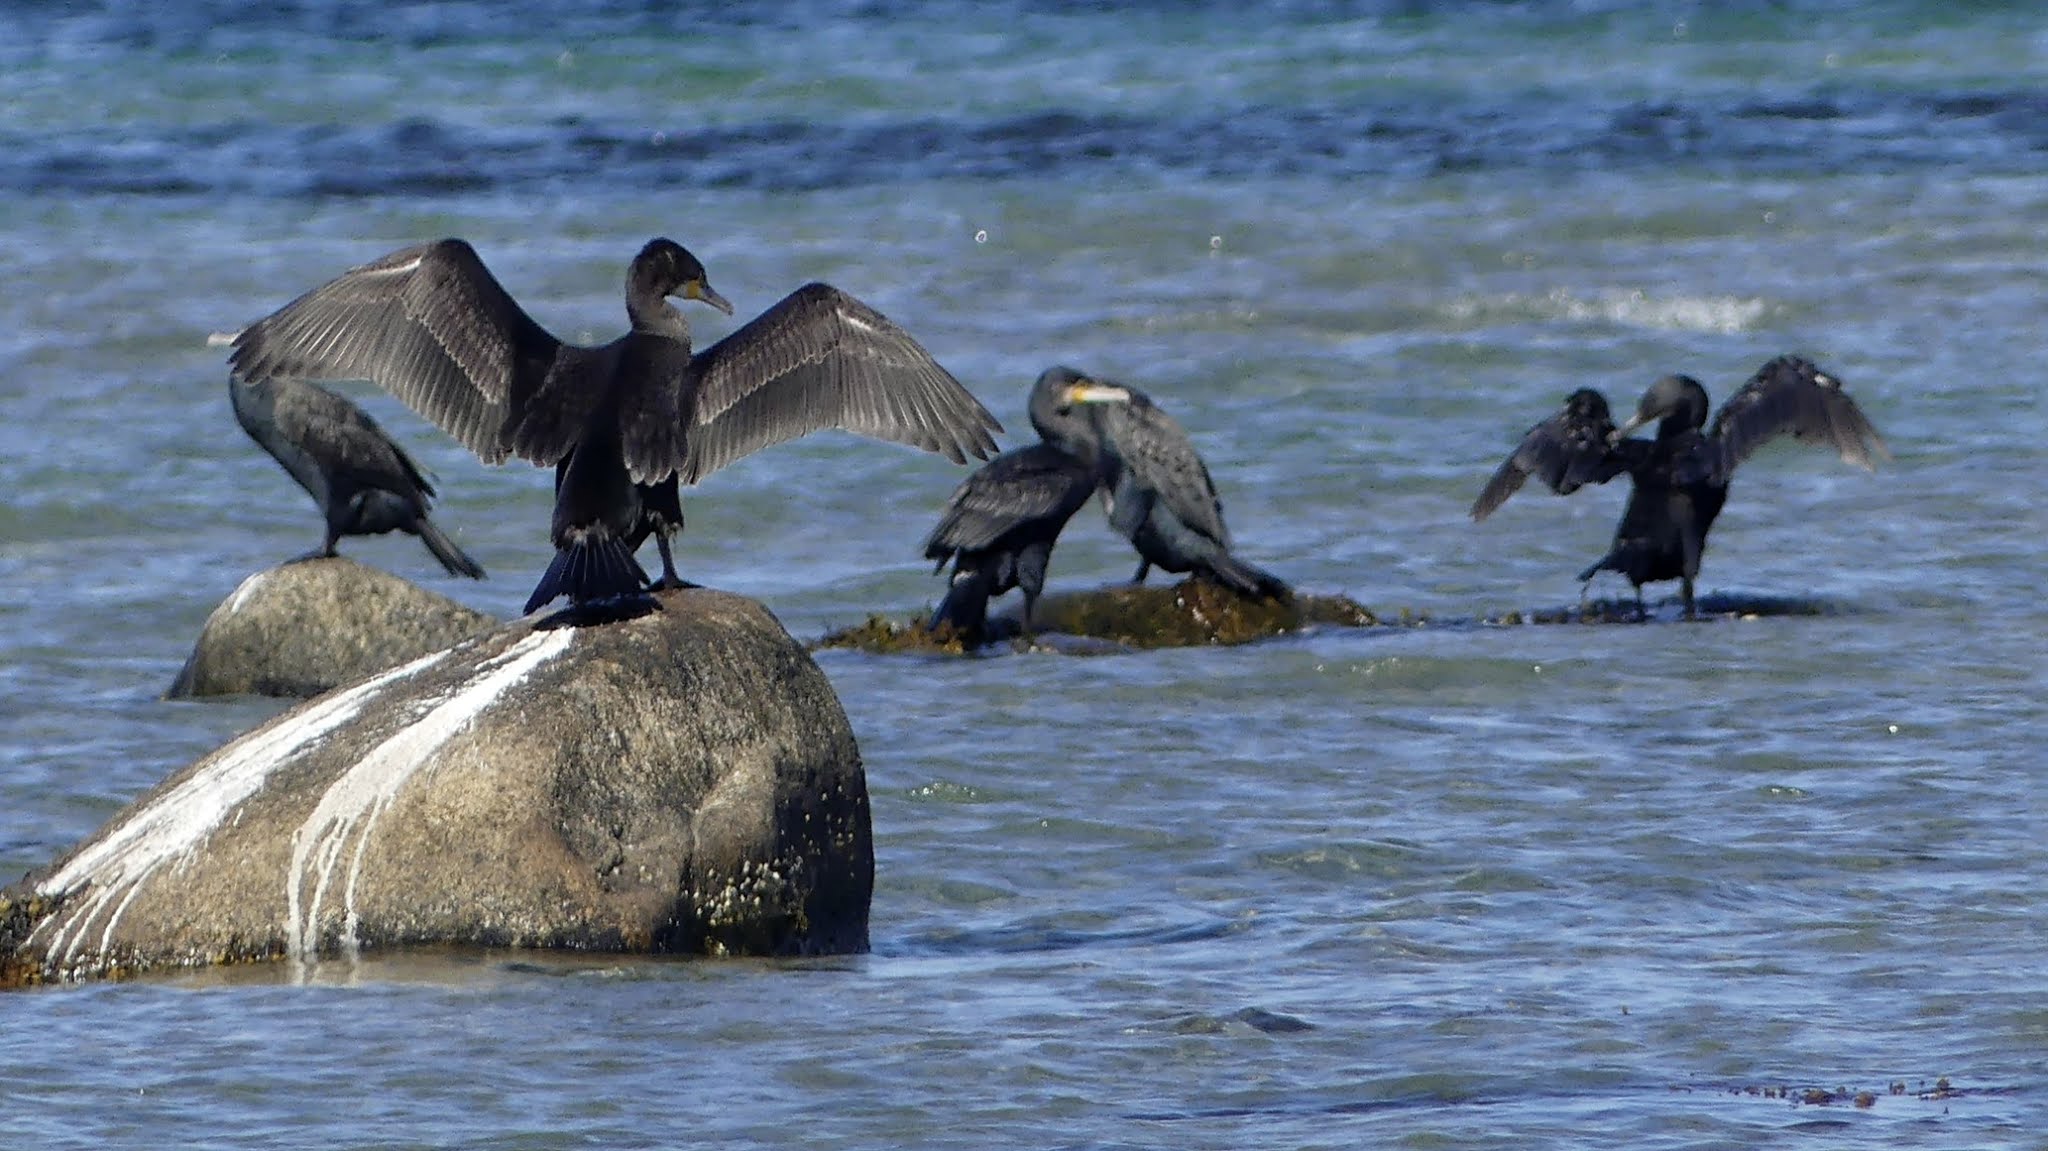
1158,493
363,481
1681,477
623,420
1000,524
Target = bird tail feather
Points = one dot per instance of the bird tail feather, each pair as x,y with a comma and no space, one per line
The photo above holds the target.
1249,579
453,558
592,568
1610,561
965,608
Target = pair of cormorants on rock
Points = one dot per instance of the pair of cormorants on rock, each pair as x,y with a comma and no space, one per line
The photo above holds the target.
623,424
999,526
1681,477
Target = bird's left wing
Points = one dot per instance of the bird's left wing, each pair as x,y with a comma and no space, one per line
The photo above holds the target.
1791,394
822,359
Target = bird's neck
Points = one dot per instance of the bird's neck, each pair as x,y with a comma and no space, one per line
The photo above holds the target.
657,317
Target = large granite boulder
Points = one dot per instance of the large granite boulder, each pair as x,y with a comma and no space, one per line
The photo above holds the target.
685,781
312,625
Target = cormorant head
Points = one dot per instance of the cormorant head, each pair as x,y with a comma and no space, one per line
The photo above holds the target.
1054,408
666,268
1081,389
1678,403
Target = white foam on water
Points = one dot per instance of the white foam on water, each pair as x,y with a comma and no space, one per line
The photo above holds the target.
353,803
1724,315
171,827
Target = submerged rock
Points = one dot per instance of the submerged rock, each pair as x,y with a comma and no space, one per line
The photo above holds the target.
311,625
1192,613
1709,607
684,781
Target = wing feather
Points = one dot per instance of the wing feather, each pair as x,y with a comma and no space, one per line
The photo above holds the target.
1162,459
822,359
1035,484
1566,452
1790,394
429,324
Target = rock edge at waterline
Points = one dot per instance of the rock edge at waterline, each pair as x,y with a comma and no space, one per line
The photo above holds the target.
681,782
310,626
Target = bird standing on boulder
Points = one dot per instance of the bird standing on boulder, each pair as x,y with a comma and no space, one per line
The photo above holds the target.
1159,495
1000,524
623,422
363,481
1681,477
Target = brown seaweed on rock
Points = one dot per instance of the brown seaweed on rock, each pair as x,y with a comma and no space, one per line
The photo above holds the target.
1193,613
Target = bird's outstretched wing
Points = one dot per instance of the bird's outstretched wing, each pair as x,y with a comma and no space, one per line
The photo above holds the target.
429,324
1035,484
822,359
1157,452
1791,394
1566,451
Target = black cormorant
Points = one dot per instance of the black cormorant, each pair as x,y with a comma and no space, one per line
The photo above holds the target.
431,325
1000,524
1158,493
363,481
1681,477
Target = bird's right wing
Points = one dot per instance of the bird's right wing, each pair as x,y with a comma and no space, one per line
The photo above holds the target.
429,324
1028,484
1566,451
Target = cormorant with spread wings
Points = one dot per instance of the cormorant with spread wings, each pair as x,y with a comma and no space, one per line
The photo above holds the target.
1681,477
620,421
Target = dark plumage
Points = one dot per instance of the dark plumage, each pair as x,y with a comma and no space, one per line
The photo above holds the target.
1681,477
1000,524
1159,495
363,481
431,325
1566,451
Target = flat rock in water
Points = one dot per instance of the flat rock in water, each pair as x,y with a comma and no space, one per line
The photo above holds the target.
310,626
681,782
1192,613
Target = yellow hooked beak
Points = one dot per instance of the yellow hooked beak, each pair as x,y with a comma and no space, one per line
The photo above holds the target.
701,290
1094,393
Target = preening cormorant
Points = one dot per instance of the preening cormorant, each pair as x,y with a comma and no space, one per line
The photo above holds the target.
363,481
1681,477
1000,524
1159,495
431,325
